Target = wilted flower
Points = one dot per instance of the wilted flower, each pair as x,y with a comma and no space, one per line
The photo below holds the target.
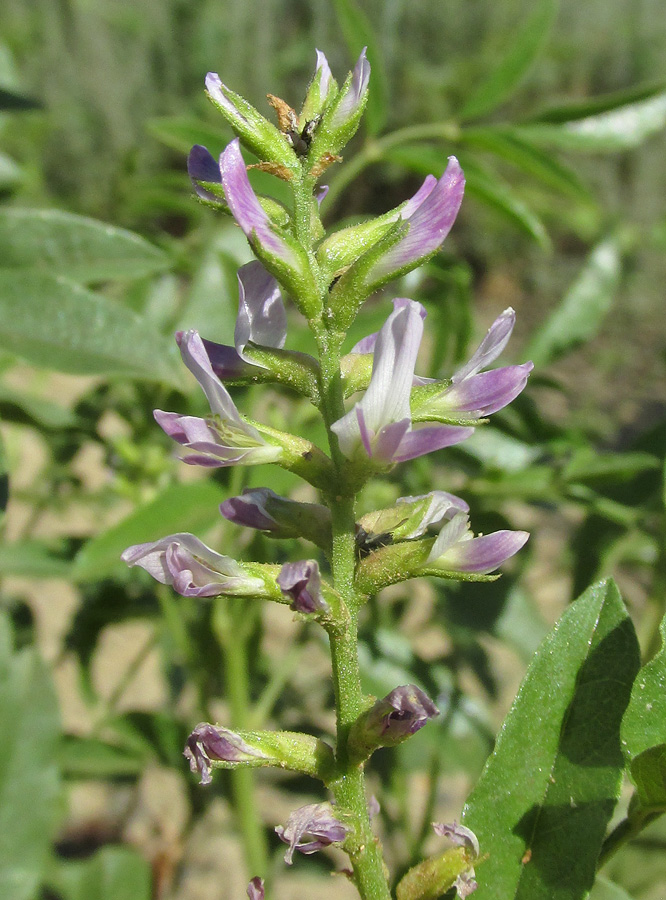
255,889
457,550
380,424
465,884
316,821
473,393
209,742
222,439
301,582
391,720
193,569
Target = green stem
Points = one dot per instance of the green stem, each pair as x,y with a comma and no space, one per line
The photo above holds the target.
374,151
624,832
231,619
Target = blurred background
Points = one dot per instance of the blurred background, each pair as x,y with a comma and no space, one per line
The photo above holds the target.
557,112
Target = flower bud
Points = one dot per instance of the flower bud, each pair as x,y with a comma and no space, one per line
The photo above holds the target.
342,116
301,582
390,721
315,820
263,509
255,889
321,91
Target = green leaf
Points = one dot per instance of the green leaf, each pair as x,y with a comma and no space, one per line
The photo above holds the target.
182,507
608,132
10,172
604,889
181,133
523,48
592,106
59,325
113,873
86,757
543,802
13,102
17,406
583,308
590,466
33,559
359,32
29,779
76,247
512,146
644,730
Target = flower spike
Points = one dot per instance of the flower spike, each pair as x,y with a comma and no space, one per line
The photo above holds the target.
379,425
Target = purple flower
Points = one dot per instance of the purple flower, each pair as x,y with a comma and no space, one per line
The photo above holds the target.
392,720
473,393
246,208
263,509
318,822
262,320
429,215
352,96
458,834
208,742
255,889
411,517
201,166
457,550
301,582
193,569
222,439
380,425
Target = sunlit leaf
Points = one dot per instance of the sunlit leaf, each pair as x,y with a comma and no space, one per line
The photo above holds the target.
181,507
583,308
29,778
56,324
76,247
608,132
523,47
542,805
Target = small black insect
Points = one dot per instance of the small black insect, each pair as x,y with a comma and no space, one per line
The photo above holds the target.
366,541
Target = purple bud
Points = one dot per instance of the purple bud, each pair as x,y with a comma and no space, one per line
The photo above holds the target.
193,569
315,821
301,582
263,509
352,99
392,720
255,889
209,743
249,510
201,166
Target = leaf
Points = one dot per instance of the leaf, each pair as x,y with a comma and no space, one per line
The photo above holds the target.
588,465
359,32
512,146
4,480
86,757
10,172
113,873
17,406
13,102
181,133
181,507
29,779
583,308
76,247
523,48
541,807
590,106
59,325
608,132
644,729
33,559
605,889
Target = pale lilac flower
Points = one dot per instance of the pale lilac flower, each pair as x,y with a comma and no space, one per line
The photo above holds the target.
457,550
379,425
224,98
202,166
473,393
222,439
316,821
246,209
391,720
193,569
352,98
458,834
323,72
263,509
212,742
301,582
255,889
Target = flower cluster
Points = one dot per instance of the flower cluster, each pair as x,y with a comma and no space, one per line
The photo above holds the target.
398,417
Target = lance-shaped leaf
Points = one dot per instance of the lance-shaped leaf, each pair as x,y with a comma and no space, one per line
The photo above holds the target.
212,746
473,393
257,133
379,427
644,731
280,253
311,828
193,569
420,230
542,805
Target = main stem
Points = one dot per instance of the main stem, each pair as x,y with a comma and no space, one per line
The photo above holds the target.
349,787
